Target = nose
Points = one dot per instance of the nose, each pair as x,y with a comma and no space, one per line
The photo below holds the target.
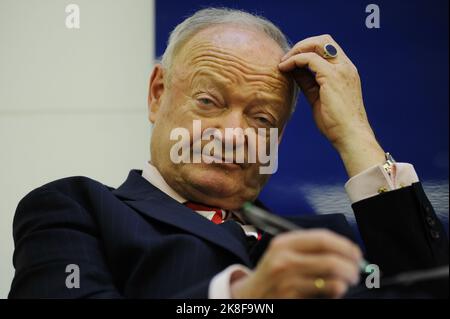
232,136
232,121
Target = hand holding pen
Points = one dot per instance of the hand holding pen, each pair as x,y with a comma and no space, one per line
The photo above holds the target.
298,263
276,225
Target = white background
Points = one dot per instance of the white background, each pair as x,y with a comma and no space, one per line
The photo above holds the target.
72,101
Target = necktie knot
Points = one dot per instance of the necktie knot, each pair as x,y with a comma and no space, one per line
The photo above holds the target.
215,214
218,216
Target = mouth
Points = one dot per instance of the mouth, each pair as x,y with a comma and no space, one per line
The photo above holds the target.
220,162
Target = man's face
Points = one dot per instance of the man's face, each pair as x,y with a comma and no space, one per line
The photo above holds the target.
227,77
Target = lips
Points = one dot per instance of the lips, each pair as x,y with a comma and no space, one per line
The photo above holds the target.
220,161
231,166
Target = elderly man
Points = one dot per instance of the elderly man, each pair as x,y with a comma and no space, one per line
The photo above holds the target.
174,229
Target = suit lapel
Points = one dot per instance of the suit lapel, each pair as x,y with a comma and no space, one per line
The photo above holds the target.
151,202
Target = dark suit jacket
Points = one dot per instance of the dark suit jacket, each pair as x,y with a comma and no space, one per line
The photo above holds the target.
137,242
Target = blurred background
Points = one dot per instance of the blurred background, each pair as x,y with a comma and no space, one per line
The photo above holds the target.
73,101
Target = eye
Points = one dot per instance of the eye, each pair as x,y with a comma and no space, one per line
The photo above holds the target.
206,101
264,121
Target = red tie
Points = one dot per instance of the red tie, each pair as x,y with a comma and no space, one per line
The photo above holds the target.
218,216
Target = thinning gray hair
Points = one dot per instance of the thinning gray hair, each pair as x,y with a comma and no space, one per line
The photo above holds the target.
205,18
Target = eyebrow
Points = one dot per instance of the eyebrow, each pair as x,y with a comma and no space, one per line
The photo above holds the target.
214,80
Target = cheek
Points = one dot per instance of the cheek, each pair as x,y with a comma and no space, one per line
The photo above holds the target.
254,178
177,111
172,116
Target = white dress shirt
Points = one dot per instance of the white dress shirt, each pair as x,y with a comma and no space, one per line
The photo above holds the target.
369,183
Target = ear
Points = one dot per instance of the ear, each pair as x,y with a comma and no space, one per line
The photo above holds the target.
155,92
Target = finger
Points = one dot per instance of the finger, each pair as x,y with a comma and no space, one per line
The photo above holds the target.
307,60
317,241
307,83
315,44
326,266
316,287
322,265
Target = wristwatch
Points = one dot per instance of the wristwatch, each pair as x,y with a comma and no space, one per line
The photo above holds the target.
389,164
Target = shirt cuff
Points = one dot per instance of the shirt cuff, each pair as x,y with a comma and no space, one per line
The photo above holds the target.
376,180
219,287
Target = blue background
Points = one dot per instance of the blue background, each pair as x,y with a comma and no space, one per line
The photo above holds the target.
404,71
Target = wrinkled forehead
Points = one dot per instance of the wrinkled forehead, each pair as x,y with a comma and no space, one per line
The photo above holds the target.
239,53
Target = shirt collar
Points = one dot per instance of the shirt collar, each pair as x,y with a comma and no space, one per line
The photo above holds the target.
154,177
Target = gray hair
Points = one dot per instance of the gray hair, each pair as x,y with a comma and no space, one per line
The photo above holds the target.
215,16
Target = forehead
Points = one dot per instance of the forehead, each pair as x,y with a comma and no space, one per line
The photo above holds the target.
254,45
235,54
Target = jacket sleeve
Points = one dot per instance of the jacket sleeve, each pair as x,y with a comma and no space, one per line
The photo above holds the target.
52,231
401,231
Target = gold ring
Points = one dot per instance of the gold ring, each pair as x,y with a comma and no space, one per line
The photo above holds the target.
319,283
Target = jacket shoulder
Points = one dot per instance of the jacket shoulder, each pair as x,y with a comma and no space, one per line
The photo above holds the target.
60,201
70,186
77,191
